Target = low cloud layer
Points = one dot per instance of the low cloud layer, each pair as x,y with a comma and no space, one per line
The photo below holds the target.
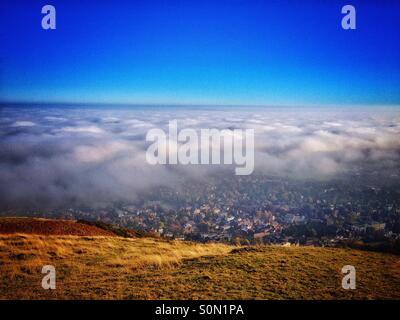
55,157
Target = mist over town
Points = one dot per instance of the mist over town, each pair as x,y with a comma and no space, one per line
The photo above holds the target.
321,172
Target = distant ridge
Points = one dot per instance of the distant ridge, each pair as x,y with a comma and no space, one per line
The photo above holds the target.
39,226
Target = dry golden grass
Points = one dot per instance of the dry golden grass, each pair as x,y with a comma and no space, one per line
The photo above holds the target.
145,268
22,257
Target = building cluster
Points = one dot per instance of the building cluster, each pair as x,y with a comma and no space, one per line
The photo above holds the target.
259,210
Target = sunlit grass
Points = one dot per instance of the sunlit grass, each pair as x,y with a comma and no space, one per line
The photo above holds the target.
148,268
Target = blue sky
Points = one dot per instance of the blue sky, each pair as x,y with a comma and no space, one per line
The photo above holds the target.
201,52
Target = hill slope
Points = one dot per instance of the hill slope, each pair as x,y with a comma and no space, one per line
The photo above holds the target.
49,227
105,267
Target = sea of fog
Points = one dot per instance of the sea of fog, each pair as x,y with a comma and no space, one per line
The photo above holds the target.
94,153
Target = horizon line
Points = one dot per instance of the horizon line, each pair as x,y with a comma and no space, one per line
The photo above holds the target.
183,104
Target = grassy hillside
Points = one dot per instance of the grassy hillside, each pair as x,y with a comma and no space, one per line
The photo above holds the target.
12,225
105,267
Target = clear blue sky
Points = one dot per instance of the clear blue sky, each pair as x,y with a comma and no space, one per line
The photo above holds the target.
201,52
